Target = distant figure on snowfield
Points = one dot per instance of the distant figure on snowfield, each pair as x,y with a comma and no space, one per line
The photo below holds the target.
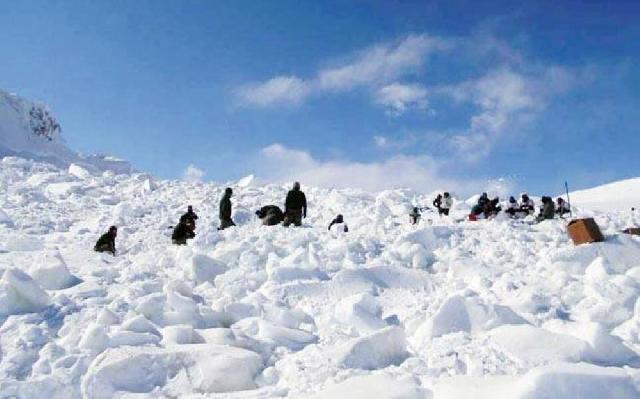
512,207
562,207
225,210
437,203
492,208
526,205
341,226
295,206
548,210
183,232
107,241
415,215
270,215
446,204
190,215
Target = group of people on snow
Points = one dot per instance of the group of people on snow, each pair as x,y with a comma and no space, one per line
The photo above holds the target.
295,209
548,210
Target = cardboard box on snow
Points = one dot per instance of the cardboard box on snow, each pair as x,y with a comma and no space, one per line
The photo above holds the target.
584,231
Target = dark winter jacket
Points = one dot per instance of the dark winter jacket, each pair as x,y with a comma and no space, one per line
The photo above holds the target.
106,243
548,210
270,210
182,232
189,216
296,200
438,201
225,207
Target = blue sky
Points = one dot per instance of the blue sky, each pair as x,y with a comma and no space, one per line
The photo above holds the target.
448,94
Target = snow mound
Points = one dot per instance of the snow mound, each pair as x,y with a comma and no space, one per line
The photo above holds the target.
375,351
558,381
619,196
379,386
180,370
51,272
20,294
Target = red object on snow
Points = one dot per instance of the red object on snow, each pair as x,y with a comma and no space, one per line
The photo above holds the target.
473,218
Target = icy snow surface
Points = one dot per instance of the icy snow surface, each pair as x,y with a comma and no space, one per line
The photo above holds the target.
444,309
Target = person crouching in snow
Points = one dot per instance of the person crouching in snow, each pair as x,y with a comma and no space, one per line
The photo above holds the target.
548,209
526,205
562,207
492,208
107,241
191,215
225,210
446,204
270,215
512,207
340,225
183,232
414,216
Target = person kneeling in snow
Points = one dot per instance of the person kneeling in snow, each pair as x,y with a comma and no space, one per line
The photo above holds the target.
492,208
225,210
512,208
341,226
271,215
527,206
190,215
548,209
182,232
107,241
562,207
415,215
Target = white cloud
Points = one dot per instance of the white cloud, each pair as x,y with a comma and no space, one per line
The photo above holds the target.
380,141
504,98
279,90
373,67
192,174
281,164
397,98
382,63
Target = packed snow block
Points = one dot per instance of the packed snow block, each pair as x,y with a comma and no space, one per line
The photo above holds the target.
584,231
361,312
176,371
202,268
379,386
555,381
263,330
380,349
538,346
79,172
180,335
51,272
19,293
467,314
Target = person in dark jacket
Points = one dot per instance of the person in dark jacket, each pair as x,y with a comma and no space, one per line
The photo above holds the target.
190,215
270,215
437,203
548,210
562,207
295,206
526,205
415,215
225,210
341,226
183,232
492,208
483,200
107,241
512,207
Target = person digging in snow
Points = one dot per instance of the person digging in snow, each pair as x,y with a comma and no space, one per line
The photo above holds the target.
562,207
183,232
512,207
190,215
526,205
107,241
341,226
225,210
548,210
270,215
415,215
295,206
445,205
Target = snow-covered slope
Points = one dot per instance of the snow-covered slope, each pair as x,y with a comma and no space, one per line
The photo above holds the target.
617,196
444,309
30,130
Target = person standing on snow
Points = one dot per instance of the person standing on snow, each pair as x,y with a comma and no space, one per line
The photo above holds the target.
341,226
526,205
295,206
190,215
562,207
107,241
446,204
225,210
437,203
415,215
548,210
